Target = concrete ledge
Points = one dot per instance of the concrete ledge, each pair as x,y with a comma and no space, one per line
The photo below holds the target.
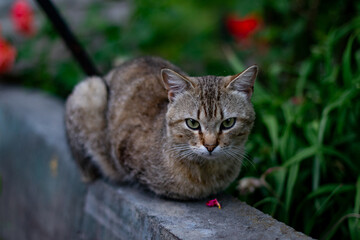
43,197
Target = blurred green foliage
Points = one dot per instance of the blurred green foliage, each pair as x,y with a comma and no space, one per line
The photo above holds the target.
305,143
313,139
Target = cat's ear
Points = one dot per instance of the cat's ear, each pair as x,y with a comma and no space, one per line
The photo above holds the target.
175,83
244,81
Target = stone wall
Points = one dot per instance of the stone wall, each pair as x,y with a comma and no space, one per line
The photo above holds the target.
43,198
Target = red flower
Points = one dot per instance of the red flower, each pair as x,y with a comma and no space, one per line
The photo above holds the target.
242,28
22,17
213,203
7,56
297,100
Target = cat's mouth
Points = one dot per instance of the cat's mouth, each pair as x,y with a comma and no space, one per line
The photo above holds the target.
205,153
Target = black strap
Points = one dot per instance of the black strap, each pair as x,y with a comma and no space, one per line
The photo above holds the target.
70,40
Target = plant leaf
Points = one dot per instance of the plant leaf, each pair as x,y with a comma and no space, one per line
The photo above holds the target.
292,176
301,155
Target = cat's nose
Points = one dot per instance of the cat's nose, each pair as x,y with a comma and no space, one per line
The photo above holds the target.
210,148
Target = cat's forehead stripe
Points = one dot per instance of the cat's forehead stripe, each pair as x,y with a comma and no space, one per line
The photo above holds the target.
210,96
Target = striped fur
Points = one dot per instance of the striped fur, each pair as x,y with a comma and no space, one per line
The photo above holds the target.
139,131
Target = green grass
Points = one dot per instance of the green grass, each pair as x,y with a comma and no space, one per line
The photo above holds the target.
315,142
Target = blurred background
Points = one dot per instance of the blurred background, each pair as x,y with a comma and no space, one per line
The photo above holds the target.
303,157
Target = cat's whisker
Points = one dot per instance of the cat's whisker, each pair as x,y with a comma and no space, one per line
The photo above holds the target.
239,153
240,150
185,154
232,155
246,159
183,151
177,149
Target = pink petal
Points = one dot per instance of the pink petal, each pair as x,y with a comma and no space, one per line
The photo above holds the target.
213,203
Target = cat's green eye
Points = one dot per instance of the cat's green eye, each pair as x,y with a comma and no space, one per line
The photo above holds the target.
192,124
228,123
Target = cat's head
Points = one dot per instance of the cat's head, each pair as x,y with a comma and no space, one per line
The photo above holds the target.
209,117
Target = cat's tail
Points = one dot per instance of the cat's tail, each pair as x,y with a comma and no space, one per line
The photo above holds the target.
85,118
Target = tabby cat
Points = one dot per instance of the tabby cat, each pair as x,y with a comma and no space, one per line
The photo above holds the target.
182,137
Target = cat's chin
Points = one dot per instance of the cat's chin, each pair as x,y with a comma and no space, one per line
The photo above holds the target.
210,156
